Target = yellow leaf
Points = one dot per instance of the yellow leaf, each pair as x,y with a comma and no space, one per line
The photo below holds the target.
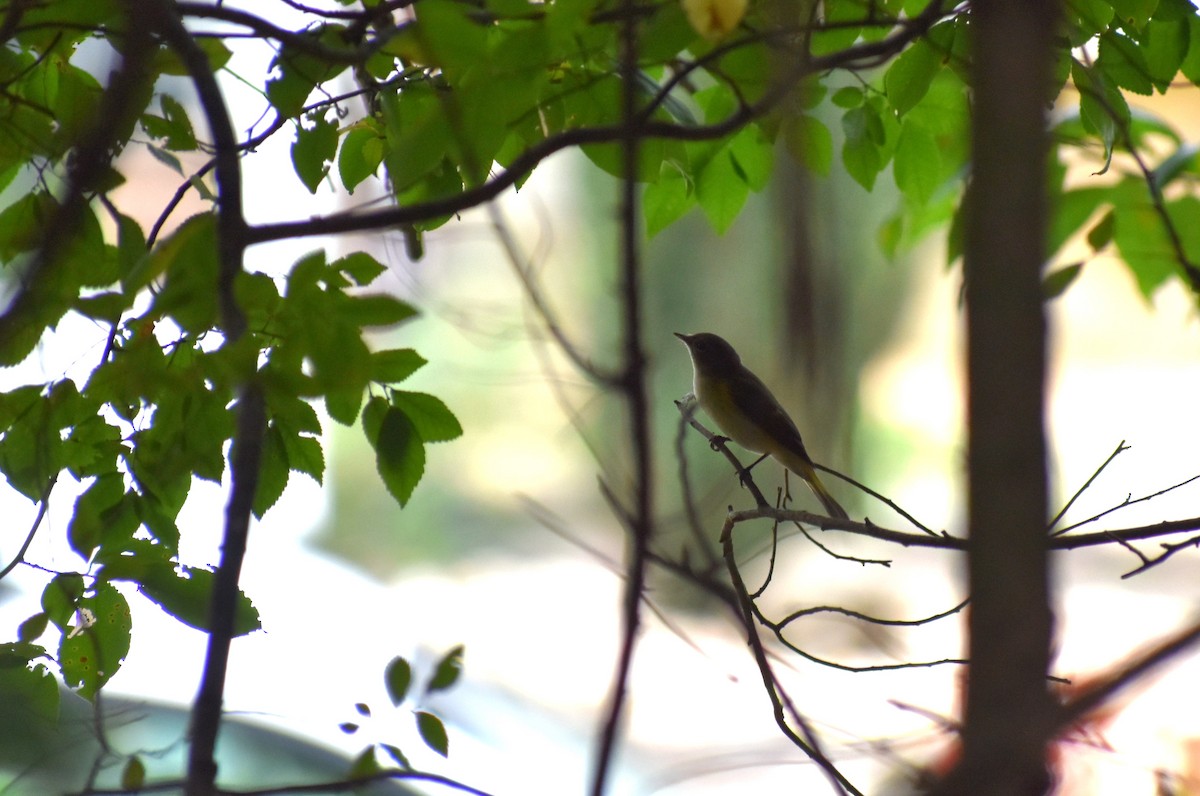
714,19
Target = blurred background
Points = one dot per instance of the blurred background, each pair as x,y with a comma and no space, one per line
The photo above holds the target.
509,548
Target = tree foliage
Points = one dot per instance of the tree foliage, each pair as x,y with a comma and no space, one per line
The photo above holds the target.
451,103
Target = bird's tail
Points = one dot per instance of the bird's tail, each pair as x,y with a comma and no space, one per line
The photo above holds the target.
808,473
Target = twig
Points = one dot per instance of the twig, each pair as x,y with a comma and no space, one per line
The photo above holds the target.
540,305
33,529
1121,448
1169,550
809,744
878,496
695,525
1128,501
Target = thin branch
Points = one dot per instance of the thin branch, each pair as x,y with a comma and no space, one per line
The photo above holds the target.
1101,691
635,389
337,786
820,609
691,511
538,300
44,505
1169,549
878,496
808,744
1128,501
246,449
1121,448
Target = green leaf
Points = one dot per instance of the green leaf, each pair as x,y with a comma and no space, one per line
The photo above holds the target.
1102,107
1191,63
94,512
396,755
397,678
860,153
187,596
666,201
362,151
1122,61
847,97
305,455
1134,13
1165,45
909,76
433,421
448,670
753,157
189,260
365,765
433,732
395,365
32,628
1055,283
399,450
378,309
273,472
361,267
174,125
314,150
1101,234
809,141
92,652
721,191
60,597
917,164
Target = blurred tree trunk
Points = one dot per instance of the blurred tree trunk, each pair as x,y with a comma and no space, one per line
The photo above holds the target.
1008,705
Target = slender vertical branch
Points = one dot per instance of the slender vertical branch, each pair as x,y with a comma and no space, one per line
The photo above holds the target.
246,449
1008,707
634,388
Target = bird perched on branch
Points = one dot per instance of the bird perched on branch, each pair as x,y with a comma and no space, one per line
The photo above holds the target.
746,411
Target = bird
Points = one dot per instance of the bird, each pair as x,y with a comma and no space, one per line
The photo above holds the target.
746,412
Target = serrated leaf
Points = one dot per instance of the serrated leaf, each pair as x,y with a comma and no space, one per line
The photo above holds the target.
395,365
377,310
397,678
399,453
448,670
188,597
432,419
360,267
433,732
273,472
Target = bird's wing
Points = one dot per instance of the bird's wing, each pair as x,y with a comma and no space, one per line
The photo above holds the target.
756,401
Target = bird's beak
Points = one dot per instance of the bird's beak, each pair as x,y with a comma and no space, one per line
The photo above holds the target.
683,337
